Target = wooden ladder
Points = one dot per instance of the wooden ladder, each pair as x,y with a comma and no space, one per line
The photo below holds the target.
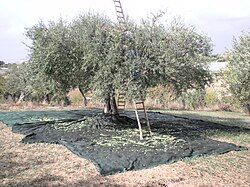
121,103
120,14
140,106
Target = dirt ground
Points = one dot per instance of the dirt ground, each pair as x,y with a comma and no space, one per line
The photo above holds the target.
54,165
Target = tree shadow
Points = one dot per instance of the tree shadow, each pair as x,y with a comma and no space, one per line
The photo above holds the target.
189,128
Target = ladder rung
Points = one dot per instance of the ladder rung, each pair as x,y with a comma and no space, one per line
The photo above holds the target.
118,4
119,14
139,102
139,106
120,17
119,9
121,101
140,109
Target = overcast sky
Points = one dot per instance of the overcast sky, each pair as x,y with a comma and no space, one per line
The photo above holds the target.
219,19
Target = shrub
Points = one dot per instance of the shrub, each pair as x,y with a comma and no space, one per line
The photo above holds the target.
75,97
211,98
193,99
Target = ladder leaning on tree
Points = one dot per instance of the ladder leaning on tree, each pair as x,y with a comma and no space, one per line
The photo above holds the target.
138,105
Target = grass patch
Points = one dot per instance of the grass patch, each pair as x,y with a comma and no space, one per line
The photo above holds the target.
225,118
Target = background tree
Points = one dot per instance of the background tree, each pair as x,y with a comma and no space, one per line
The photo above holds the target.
238,75
2,63
16,82
50,61
2,87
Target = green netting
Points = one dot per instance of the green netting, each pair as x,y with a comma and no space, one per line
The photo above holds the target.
12,118
115,147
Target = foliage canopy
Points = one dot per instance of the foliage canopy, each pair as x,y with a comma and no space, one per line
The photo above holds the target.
89,52
92,53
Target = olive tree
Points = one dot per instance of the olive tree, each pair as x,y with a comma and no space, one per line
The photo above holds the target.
49,61
238,75
93,53
16,82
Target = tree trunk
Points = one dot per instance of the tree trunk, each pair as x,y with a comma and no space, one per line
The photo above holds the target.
22,97
85,101
107,106
66,101
248,108
202,102
183,104
110,106
13,97
46,99
114,109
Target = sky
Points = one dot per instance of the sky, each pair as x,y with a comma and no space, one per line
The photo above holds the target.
219,19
